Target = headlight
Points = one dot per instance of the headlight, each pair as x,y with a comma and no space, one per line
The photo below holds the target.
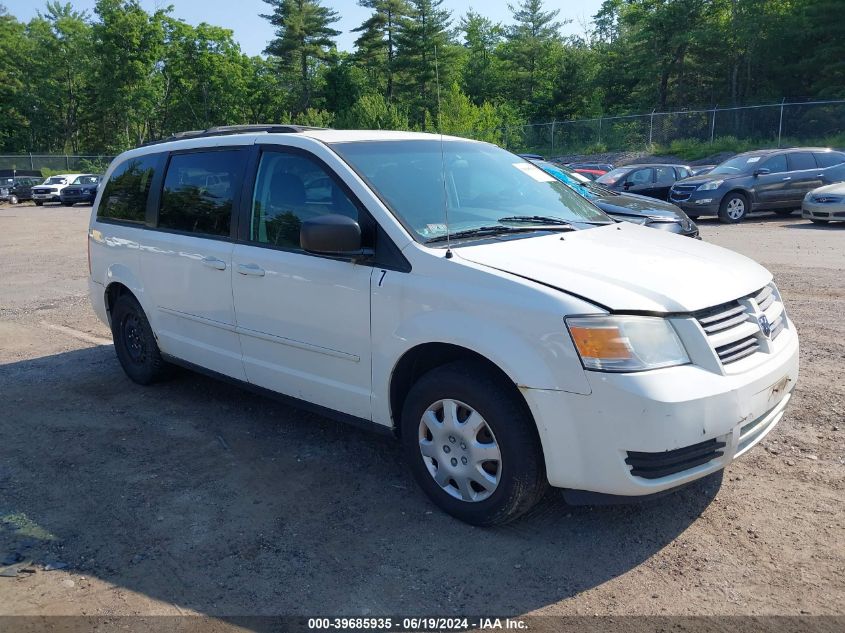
626,343
709,186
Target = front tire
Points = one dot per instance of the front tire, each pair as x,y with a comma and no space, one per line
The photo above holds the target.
134,342
734,208
472,445
815,221
38,203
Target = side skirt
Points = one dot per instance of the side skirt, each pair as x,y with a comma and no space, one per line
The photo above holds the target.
338,416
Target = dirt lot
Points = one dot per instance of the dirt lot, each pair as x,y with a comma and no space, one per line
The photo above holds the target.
197,497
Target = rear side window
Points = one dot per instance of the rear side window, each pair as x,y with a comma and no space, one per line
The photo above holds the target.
199,192
801,160
665,175
125,195
829,159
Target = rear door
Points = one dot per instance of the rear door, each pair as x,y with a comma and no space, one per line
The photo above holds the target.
640,181
303,319
664,178
805,174
186,260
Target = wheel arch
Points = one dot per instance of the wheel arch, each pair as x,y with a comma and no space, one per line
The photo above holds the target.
424,357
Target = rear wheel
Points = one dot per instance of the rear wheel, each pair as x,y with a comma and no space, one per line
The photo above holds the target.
471,444
135,343
67,204
733,209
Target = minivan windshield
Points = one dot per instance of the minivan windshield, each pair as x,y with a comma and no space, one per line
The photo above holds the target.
737,165
484,186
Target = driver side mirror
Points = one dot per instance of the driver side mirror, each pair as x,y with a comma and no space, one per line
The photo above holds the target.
627,184
332,234
762,172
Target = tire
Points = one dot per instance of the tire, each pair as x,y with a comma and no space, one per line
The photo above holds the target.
504,429
135,343
734,208
67,204
13,199
814,221
38,203
693,216
785,212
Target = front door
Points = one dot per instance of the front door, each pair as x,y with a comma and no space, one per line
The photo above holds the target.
303,320
772,189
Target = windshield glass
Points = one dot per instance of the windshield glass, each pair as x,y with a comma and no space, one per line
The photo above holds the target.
737,165
612,176
483,184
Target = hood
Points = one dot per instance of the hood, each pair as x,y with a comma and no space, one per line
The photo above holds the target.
642,206
626,267
708,177
836,189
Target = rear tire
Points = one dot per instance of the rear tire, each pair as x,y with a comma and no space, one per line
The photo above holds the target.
135,344
734,208
471,444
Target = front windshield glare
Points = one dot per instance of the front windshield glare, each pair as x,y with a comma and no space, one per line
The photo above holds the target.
484,183
736,165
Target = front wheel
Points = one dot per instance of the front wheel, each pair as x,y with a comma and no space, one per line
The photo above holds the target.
733,209
38,203
135,342
472,445
815,221
13,199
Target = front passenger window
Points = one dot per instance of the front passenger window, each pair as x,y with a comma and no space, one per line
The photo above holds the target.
289,189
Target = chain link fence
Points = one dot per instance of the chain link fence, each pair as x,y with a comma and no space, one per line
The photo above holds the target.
55,163
772,125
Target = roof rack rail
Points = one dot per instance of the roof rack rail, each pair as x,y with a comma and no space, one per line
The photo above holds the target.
225,130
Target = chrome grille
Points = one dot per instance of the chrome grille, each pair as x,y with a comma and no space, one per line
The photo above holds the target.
733,328
682,192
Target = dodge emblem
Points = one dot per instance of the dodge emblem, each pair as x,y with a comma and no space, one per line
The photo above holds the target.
765,326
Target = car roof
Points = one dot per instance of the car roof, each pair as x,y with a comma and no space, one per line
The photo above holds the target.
64,176
638,165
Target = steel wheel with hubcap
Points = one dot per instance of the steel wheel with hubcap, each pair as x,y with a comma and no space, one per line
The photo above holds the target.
471,443
733,209
460,450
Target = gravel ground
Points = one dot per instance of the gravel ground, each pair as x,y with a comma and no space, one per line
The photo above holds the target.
195,496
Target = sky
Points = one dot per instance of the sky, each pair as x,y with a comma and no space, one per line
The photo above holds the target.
253,32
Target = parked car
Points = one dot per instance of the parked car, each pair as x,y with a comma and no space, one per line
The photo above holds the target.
16,189
700,170
630,207
82,189
825,204
508,331
51,188
652,180
591,170
770,179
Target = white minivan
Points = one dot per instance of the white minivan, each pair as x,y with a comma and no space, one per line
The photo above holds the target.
511,334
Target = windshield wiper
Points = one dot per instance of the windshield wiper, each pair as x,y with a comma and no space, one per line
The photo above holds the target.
556,225
535,219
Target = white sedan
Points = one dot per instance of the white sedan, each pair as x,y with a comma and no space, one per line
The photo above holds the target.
825,204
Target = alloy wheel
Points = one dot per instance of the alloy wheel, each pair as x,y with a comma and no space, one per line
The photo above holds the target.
735,208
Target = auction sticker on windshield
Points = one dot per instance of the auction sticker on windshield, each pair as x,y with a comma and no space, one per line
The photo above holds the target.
535,172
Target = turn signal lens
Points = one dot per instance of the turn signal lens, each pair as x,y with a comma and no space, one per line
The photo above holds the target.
626,343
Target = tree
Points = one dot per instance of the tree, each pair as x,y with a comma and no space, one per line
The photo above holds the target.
530,40
424,32
482,68
376,46
304,37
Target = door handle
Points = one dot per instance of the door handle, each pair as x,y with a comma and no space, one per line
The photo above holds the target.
788,178
251,269
213,262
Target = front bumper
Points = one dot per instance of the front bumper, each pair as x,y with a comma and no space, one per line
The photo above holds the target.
831,211
46,197
73,198
698,202
588,438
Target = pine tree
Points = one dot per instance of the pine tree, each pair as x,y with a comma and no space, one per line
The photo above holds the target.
481,71
376,46
528,42
304,37
424,30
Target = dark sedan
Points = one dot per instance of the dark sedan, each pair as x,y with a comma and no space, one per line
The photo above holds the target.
652,180
629,207
82,189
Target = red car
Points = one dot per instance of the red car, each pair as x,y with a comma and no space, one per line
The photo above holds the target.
591,170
